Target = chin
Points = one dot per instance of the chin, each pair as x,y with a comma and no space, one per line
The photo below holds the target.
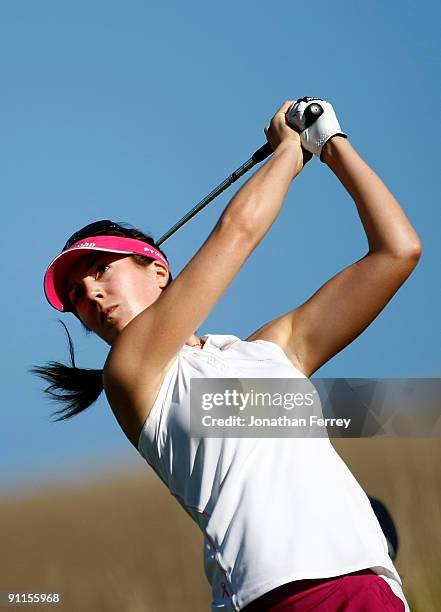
120,324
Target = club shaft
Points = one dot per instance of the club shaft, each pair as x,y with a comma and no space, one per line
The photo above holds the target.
257,157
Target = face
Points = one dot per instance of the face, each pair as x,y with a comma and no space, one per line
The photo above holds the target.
108,290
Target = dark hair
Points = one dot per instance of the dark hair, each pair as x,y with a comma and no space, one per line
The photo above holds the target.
78,388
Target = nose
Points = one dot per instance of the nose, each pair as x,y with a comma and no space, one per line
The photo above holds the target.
93,290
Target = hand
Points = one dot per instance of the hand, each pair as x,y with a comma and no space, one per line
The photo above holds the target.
279,131
314,133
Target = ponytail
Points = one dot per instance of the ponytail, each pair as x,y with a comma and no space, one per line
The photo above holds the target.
77,388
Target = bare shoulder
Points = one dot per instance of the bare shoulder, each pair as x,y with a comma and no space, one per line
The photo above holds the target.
132,400
280,332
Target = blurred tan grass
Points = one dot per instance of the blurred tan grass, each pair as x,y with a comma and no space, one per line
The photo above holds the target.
125,545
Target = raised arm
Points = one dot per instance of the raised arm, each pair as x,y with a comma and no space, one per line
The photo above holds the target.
154,337
345,305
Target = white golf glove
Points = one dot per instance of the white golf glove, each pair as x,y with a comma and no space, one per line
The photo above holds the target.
316,122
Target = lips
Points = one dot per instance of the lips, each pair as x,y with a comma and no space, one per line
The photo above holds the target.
107,312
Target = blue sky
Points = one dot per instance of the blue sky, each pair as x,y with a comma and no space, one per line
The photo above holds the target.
134,111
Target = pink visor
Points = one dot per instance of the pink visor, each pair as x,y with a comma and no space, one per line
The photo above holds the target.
56,274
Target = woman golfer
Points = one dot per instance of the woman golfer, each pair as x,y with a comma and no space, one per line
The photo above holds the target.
286,525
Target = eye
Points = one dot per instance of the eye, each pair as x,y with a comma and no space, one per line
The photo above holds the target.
100,269
77,292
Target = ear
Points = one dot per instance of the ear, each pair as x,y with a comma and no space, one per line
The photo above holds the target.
161,272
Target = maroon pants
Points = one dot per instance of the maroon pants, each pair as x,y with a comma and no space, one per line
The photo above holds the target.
361,591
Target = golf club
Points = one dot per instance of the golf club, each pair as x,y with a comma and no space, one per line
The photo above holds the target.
311,113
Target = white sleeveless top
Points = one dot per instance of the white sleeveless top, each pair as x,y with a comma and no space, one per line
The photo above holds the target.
272,510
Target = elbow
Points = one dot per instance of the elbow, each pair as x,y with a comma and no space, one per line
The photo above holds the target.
410,254
417,251
414,251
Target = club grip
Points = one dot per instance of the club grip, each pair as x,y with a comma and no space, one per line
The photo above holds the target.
262,153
